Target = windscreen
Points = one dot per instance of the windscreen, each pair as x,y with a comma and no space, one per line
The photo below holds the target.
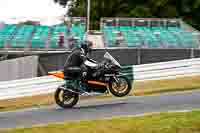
109,57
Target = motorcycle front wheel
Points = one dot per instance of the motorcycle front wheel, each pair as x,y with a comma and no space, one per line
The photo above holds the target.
65,98
122,88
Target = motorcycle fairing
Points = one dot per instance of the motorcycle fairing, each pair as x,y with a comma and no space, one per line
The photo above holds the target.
90,64
109,57
97,83
58,74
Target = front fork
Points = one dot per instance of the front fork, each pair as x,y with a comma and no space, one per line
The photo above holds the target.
116,79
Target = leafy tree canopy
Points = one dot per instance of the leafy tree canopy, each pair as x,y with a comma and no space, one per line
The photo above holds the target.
188,10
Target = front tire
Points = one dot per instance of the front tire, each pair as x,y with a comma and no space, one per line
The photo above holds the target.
65,98
122,89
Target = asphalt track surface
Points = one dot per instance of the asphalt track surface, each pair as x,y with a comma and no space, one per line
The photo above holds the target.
99,110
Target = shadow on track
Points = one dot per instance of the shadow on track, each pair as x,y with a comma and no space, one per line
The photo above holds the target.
99,106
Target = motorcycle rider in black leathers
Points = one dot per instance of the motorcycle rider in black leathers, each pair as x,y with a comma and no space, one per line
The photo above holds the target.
74,68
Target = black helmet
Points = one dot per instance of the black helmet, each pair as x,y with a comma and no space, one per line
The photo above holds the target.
87,46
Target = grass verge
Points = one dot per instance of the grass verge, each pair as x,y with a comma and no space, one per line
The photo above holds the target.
140,88
184,122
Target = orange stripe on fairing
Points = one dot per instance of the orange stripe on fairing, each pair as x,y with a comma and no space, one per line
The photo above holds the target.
97,83
58,74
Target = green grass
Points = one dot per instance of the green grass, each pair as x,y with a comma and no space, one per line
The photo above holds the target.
187,122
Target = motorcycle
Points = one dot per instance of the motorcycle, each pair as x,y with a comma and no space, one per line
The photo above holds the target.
110,80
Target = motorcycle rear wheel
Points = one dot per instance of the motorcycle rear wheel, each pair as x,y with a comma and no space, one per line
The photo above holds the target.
65,98
122,89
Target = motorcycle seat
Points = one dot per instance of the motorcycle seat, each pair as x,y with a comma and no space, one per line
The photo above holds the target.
68,78
74,69
73,73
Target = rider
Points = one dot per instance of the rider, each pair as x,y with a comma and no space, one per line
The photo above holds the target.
74,67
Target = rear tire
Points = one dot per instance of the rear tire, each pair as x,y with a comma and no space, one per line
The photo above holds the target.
71,98
117,90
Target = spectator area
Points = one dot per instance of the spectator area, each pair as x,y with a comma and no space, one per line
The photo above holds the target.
39,36
117,32
148,33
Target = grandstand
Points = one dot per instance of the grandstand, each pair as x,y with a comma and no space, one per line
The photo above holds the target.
115,32
149,33
15,36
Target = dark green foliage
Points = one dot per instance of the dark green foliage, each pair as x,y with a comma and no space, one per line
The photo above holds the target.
188,10
29,23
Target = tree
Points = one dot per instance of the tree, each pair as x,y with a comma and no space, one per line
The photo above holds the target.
141,11
62,2
185,9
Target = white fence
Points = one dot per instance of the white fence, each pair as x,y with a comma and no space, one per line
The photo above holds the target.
166,70
29,87
48,84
